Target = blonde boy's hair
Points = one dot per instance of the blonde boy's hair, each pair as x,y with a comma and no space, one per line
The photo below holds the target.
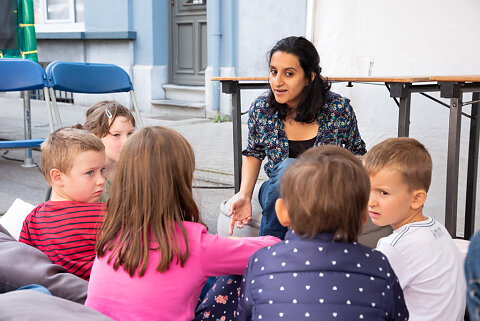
63,145
406,155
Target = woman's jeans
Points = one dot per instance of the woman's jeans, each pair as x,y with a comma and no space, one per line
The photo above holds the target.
472,275
268,195
35,287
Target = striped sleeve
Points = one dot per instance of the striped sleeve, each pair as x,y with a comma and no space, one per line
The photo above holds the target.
24,233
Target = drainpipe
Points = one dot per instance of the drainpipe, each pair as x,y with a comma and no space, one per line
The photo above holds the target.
310,23
216,41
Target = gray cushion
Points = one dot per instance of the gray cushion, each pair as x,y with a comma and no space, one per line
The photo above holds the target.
29,305
21,264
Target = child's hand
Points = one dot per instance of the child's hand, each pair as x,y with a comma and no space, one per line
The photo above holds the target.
241,213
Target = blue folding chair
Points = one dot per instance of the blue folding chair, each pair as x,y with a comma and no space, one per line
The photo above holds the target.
24,75
88,78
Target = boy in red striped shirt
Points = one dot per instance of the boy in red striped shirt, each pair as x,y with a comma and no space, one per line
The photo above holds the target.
65,227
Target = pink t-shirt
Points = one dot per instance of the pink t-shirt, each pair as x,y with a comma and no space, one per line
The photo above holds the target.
173,294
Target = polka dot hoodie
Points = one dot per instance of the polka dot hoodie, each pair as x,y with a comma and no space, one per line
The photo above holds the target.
319,279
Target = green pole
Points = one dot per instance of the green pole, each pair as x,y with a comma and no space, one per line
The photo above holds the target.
28,27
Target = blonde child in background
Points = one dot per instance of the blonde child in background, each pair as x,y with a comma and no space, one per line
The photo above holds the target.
65,227
420,250
153,252
113,123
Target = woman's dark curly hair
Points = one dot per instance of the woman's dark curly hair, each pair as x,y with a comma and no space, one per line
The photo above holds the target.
314,94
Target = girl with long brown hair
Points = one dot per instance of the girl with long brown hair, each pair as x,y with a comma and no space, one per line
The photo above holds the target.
153,252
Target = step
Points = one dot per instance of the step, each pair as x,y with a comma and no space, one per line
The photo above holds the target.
179,107
183,92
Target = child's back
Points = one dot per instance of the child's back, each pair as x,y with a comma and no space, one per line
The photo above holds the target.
66,232
172,294
321,279
429,267
319,271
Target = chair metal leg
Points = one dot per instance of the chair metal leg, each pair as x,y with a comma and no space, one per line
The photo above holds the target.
137,111
28,162
55,107
49,109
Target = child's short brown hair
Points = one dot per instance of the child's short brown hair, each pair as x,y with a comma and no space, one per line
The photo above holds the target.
407,155
63,145
326,190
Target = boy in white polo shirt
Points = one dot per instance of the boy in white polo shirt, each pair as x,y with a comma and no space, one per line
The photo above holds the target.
420,249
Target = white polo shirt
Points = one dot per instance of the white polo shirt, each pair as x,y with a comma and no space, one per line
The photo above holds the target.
429,268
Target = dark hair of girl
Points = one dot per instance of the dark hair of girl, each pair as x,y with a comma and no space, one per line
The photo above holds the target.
314,94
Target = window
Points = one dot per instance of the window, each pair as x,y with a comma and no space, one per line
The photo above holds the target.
59,15
193,2
59,10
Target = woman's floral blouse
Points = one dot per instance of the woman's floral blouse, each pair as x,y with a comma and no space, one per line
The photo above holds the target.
266,135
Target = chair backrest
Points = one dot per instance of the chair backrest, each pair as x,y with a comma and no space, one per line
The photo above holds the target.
89,78
21,74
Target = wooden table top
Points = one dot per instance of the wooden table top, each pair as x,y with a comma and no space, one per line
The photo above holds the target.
458,78
346,79
382,79
239,78
467,78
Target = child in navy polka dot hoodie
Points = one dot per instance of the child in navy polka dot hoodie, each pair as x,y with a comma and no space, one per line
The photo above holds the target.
320,272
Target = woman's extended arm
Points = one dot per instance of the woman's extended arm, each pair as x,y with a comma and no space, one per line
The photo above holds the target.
241,209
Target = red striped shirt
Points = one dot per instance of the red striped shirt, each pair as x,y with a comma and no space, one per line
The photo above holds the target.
66,232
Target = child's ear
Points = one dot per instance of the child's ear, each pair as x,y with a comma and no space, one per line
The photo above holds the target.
56,176
282,213
418,199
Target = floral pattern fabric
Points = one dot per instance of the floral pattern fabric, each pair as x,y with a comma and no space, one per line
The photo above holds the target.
266,134
220,303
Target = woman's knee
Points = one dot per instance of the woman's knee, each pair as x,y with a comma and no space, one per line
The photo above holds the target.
283,165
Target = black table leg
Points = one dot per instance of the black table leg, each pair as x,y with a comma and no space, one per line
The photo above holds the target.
232,87
402,91
452,91
472,169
